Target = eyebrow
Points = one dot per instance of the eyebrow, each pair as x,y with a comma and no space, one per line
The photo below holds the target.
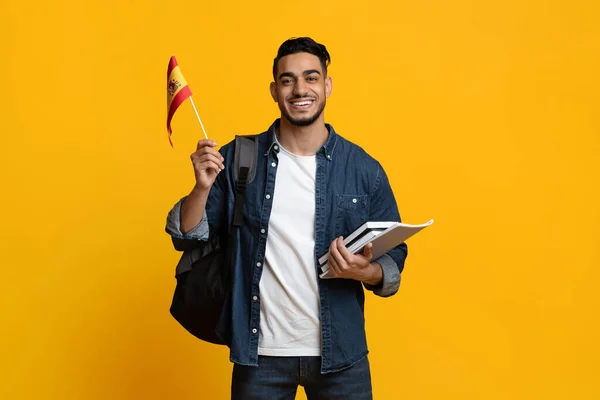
307,72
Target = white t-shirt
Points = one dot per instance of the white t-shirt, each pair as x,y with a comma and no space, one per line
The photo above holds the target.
289,308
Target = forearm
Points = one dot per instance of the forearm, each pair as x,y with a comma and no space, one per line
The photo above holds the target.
192,209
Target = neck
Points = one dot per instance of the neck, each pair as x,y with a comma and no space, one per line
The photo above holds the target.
302,140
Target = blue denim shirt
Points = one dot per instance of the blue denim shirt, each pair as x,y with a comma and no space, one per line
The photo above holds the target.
351,188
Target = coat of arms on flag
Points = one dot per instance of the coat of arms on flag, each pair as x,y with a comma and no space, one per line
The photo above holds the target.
173,86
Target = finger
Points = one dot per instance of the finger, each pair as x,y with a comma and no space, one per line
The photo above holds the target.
197,160
208,165
209,150
344,252
206,142
207,157
368,252
332,266
337,257
201,165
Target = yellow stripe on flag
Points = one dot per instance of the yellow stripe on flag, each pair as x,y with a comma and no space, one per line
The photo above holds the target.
176,83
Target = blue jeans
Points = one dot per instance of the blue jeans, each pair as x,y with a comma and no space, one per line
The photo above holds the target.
277,378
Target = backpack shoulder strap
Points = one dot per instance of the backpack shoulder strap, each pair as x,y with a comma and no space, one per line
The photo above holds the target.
246,154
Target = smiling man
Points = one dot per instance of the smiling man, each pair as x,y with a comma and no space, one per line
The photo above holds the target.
286,326
301,88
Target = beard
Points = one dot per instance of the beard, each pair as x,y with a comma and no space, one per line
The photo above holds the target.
305,121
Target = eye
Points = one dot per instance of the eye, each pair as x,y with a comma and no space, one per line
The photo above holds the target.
286,81
312,78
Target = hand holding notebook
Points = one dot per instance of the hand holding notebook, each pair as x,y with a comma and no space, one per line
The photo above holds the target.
383,235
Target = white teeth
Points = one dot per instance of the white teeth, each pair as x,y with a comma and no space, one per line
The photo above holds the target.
303,103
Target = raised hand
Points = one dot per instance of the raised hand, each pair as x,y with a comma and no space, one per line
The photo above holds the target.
207,162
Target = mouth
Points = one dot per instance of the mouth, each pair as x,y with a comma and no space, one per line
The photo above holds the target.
302,104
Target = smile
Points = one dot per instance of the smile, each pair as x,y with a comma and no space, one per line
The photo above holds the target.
302,104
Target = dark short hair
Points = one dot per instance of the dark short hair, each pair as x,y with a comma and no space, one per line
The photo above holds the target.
302,45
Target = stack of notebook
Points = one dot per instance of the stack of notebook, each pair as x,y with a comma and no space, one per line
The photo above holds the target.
384,236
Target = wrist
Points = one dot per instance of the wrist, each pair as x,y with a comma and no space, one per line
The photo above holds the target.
199,192
374,275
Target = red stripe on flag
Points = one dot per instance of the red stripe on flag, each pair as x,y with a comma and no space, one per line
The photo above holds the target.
179,98
172,65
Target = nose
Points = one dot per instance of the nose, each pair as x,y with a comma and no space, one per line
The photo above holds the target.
300,88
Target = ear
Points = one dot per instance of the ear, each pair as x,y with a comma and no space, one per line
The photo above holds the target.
328,86
273,89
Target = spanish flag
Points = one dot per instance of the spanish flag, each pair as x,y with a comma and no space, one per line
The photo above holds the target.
177,91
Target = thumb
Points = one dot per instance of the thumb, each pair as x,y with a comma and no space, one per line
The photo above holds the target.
368,254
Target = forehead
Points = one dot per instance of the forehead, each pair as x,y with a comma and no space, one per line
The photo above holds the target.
298,63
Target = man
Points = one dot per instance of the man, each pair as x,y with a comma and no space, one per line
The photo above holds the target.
286,326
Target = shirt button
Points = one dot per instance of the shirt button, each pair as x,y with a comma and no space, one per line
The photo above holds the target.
254,330
258,264
275,147
262,231
354,201
254,298
329,157
273,164
268,196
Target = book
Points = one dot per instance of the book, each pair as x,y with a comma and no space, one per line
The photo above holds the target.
356,245
359,232
383,241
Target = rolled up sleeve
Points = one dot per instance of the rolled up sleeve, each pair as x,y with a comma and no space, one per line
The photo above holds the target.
384,208
173,227
391,277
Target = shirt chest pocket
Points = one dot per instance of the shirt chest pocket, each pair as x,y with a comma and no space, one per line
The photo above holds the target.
352,211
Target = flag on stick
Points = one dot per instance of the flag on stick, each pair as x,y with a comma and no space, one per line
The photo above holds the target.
177,92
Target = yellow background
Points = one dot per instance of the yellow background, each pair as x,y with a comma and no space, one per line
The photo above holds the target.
484,114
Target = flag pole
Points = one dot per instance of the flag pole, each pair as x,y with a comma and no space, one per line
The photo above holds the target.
198,116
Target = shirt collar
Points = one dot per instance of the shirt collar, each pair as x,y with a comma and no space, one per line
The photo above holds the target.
327,148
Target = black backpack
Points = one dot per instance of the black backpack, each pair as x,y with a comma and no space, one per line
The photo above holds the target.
204,270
